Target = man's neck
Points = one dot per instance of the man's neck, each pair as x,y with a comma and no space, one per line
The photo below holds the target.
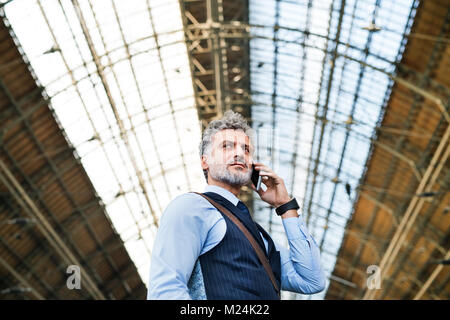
233,189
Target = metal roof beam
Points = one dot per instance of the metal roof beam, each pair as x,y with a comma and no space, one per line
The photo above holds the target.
55,171
21,279
421,230
25,262
415,206
412,113
27,204
429,177
141,100
105,83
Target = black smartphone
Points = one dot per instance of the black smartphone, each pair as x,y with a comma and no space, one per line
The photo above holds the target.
256,178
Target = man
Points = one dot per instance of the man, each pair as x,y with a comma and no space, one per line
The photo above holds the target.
200,253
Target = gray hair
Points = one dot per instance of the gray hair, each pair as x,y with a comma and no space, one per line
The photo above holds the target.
230,120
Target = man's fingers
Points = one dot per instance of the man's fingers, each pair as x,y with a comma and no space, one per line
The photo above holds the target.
265,175
258,163
264,169
261,166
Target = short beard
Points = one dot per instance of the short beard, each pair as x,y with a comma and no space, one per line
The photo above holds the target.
221,173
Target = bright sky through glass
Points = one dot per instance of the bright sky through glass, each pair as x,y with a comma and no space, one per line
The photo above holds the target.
135,127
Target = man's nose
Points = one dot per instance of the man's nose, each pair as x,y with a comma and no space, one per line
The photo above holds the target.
239,157
239,152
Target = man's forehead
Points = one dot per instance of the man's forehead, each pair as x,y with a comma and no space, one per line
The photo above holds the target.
231,135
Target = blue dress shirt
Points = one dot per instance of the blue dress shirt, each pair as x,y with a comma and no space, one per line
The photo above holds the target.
191,226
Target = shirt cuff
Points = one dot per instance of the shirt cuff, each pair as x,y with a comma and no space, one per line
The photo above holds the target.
295,229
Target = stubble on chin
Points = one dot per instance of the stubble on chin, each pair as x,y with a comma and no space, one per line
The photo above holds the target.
223,174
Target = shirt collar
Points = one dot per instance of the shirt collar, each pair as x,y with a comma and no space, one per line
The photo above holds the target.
223,192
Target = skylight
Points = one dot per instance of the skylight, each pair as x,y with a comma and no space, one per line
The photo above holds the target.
316,105
119,81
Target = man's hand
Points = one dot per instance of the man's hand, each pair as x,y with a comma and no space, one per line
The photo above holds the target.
276,193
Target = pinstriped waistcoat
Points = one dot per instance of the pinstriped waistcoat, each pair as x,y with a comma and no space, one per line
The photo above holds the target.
232,270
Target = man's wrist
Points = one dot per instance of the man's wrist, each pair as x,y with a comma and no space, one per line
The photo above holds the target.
286,200
290,214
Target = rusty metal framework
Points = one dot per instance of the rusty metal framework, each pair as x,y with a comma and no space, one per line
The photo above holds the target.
348,100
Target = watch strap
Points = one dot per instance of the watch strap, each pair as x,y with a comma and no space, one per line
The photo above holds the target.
287,206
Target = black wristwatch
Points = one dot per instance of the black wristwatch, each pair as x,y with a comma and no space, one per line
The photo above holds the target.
287,206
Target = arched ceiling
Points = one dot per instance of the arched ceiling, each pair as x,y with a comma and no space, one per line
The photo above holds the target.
348,100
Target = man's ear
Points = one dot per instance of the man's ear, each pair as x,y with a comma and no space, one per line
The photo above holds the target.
204,163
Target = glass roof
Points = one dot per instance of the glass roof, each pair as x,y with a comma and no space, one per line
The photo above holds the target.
318,103
120,84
